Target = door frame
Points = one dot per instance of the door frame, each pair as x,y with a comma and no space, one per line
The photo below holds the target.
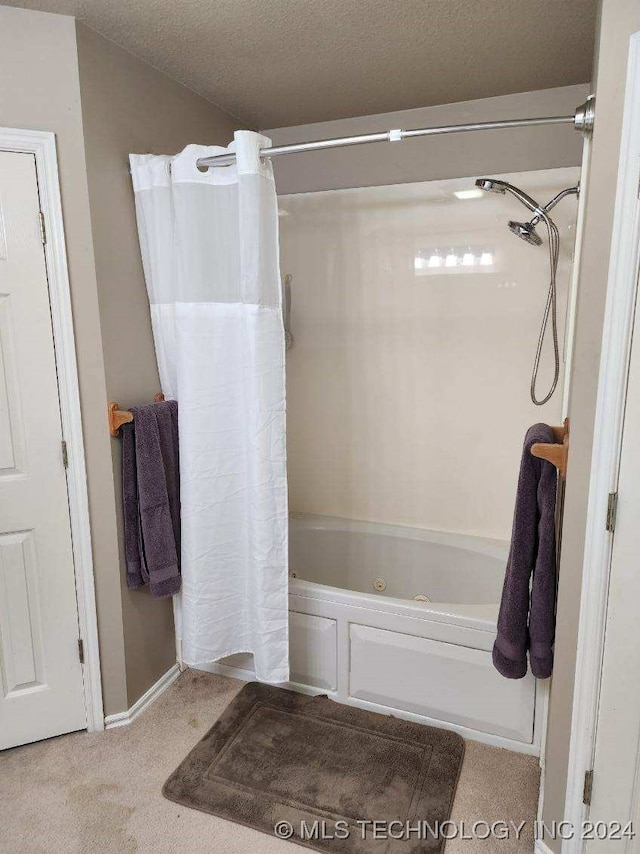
42,144
622,286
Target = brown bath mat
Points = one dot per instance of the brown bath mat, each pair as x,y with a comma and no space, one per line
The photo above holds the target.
328,770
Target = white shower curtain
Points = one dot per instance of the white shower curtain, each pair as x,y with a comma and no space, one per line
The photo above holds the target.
209,243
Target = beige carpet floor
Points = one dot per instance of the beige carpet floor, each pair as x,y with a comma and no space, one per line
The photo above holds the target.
101,792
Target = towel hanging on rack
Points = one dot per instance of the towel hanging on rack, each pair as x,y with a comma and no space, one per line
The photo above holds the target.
526,620
151,498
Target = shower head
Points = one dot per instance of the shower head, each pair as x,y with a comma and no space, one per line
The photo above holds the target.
491,185
527,231
494,185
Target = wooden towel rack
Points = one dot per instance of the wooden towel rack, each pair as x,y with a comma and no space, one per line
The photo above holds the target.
557,453
117,417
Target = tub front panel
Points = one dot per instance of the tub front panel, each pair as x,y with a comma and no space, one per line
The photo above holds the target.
439,680
396,658
313,643
313,650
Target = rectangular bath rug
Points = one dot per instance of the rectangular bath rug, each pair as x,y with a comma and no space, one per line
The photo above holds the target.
320,773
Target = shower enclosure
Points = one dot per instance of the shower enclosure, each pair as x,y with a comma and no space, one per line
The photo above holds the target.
415,315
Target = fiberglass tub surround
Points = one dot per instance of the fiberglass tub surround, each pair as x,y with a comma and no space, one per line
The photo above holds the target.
408,383
415,314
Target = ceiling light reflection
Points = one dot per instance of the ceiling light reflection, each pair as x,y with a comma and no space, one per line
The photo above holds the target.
475,193
466,259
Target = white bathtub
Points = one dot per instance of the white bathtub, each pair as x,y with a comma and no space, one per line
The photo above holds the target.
428,661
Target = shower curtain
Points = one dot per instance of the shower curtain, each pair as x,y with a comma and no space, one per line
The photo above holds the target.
209,243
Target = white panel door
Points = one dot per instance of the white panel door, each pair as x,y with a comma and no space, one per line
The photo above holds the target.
41,689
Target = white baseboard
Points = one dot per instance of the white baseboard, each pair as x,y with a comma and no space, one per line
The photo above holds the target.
124,718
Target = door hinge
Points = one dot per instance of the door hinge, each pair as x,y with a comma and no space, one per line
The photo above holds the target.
81,650
612,510
43,229
588,787
65,454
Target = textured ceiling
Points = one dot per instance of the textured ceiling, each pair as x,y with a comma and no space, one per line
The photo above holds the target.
284,62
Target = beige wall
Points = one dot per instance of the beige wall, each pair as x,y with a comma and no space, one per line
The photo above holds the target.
433,158
40,90
127,106
619,19
399,375
103,103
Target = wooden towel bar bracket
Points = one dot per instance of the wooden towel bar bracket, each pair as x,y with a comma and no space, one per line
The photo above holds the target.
117,417
557,453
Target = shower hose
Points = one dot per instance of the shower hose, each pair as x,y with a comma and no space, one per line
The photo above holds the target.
550,310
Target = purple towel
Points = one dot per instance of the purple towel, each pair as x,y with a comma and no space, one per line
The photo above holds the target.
527,611
130,511
151,498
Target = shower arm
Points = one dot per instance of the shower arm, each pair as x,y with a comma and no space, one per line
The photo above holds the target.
494,185
570,191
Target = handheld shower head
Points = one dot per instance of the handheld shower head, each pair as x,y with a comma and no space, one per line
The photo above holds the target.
491,185
494,185
527,231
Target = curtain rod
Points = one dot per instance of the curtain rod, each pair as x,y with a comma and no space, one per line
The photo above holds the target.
582,120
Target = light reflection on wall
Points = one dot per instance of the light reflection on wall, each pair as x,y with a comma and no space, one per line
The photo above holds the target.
430,262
